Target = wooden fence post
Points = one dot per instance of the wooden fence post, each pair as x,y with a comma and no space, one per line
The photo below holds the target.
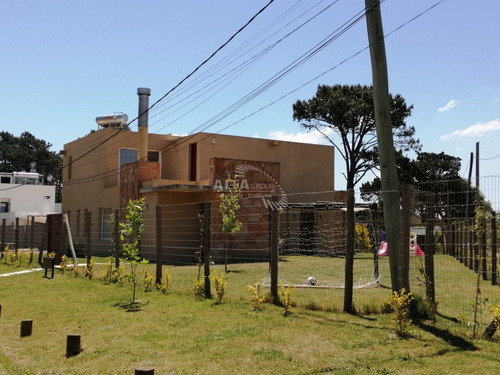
4,224
484,260
454,252
207,235
273,212
429,253
144,371
88,234
159,261
73,346
405,212
116,238
32,232
494,243
26,327
470,239
16,235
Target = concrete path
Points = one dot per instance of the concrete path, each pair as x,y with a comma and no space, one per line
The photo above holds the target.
21,272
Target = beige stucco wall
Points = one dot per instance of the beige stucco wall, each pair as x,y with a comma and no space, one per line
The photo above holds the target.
93,163
91,175
303,167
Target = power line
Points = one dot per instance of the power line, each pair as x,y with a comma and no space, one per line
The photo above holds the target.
182,80
259,90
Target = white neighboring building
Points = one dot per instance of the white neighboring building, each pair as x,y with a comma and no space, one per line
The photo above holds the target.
23,195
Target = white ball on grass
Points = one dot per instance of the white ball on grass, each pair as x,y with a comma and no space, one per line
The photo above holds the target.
311,280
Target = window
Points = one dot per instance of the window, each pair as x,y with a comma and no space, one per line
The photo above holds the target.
70,167
154,156
193,157
4,207
127,155
107,224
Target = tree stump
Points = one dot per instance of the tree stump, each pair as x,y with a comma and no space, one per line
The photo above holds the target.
145,371
72,345
26,327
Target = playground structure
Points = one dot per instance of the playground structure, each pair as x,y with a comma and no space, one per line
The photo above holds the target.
414,248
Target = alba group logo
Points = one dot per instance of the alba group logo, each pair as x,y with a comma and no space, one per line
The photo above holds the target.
264,190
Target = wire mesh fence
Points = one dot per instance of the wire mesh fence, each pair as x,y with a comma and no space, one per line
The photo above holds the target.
451,245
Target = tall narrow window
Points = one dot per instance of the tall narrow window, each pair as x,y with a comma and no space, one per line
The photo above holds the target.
70,167
107,223
192,161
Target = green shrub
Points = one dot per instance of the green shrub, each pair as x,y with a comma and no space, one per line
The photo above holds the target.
400,305
258,299
285,293
220,285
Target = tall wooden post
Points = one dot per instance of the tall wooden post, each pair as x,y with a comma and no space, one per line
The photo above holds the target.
116,238
4,225
405,256
454,247
159,261
494,248
387,153
349,254
429,253
273,214
16,235
484,254
206,247
88,233
460,239
32,231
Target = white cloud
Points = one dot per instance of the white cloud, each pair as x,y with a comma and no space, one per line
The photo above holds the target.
449,106
476,130
306,137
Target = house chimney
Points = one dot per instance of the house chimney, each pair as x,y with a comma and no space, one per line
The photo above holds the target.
144,94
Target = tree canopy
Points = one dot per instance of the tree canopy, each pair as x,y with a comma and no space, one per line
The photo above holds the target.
438,173
348,112
17,154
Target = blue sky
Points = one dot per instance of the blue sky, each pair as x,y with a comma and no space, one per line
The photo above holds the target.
66,62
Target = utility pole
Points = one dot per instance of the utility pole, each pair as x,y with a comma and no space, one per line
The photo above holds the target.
477,165
387,153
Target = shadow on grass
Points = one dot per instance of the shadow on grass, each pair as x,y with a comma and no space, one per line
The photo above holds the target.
456,341
129,306
450,318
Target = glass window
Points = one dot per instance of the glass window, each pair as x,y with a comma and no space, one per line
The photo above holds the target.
107,224
4,206
154,156
127,155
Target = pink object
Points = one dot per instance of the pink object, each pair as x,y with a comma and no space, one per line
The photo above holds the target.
382,252
419,251
384,249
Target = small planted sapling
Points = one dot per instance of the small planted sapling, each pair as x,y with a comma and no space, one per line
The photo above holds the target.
130,235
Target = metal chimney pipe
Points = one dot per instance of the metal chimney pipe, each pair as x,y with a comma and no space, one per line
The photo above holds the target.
143,120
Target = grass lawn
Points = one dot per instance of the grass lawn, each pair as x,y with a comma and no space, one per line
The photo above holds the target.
176,334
